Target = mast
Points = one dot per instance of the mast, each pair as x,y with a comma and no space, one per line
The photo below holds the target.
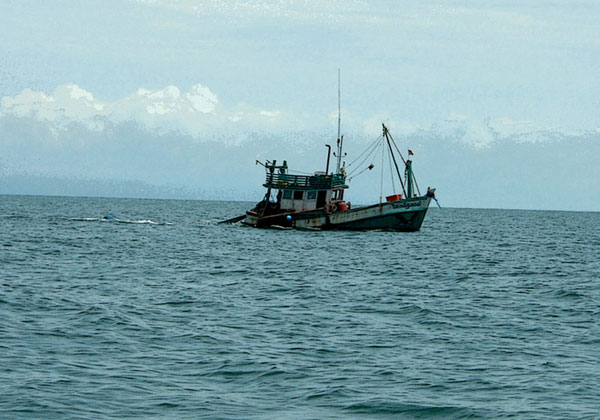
339,107
409,179
387,137
340,139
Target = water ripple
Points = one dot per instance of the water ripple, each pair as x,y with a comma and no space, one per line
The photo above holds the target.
482,314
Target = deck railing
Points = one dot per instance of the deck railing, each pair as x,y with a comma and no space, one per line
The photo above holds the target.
305,182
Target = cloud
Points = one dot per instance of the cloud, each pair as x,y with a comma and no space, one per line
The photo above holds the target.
482,133
475,132
170,100
196,112
66,104
168,109
199,114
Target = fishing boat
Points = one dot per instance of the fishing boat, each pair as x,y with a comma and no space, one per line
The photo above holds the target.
318,201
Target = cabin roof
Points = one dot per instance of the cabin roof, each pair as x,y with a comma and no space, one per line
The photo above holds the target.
305,182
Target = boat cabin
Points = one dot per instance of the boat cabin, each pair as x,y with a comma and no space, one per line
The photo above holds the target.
303,192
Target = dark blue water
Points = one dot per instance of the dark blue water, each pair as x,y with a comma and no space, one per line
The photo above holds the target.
162,313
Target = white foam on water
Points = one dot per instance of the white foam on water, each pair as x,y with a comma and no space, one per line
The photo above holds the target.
138,222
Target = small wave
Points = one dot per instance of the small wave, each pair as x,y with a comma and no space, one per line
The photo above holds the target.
166,404
414,410
138,222
15,216
272,372
564,293
177,302
337,392
115,220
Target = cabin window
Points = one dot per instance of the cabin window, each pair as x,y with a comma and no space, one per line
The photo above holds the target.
321,198
311,195
287,194
298,195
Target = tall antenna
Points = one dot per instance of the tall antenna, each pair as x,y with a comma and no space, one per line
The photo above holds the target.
340,139
339,107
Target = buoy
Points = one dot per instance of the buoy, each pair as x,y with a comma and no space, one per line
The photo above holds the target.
288,217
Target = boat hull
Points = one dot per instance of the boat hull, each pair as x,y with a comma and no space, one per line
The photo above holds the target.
403,215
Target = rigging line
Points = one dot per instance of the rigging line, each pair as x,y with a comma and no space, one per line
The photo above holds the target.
396,146
416,185
387,137
413,175
354,176
365,159
368,149
374,143
373,151
391,170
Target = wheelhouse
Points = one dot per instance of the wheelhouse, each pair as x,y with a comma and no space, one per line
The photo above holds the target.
303,192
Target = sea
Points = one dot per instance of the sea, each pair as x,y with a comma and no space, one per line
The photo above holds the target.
150,309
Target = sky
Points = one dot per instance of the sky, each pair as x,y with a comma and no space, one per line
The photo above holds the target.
177,99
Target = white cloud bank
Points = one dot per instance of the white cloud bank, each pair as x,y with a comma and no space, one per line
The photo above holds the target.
199,114
196,112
